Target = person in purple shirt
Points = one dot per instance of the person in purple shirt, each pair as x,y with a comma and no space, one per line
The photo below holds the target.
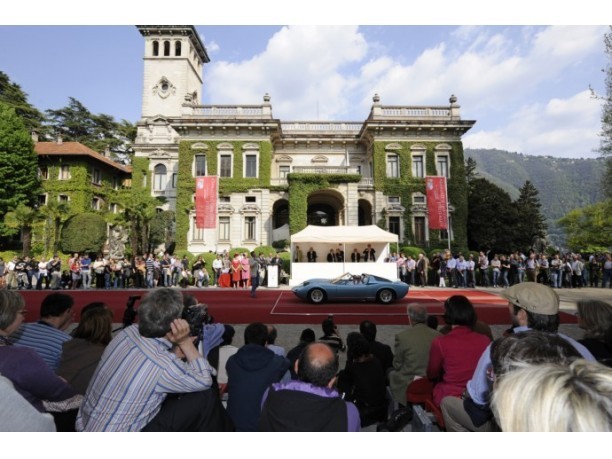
310,404
30,375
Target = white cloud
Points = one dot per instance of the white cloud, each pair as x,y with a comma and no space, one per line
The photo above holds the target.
301,68
212,47
561,127
486,67
567,42
331,72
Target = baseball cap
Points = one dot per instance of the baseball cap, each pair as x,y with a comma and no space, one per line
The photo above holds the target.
533,297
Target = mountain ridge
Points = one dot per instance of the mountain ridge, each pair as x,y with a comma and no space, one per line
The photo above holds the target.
563,184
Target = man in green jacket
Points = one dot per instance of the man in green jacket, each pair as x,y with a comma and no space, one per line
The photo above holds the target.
411,351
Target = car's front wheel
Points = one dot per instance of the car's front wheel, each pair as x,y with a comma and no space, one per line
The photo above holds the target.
386,296
316,296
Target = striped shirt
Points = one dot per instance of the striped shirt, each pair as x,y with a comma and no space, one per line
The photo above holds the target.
45,339
150,264
132,380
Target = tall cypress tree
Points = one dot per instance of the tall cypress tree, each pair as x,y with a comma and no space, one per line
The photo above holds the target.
18,165
531,224
491,217
605,147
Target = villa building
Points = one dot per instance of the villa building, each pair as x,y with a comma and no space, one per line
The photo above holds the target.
277,176
77,180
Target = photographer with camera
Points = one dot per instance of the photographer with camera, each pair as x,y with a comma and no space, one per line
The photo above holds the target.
207,334
142,382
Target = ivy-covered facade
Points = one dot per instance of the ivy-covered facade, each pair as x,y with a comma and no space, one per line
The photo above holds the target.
75,180
276,177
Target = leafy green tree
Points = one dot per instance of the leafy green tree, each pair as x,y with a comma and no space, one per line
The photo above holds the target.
589,228
530,224
605,143
491,217
12,95
138,209
99,132
19,182
162,228
83,233
21,220
55,214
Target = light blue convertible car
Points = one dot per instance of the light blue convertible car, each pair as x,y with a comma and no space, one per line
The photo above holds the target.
350,287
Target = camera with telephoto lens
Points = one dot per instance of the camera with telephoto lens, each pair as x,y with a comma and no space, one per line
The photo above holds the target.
197,316
129,316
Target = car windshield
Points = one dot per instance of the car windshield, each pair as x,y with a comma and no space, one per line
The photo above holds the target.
348,278
343,279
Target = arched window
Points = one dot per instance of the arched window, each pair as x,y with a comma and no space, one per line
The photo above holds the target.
166,48
156,48
160,177
177,48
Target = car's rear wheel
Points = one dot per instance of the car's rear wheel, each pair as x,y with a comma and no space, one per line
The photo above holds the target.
316,296
386,296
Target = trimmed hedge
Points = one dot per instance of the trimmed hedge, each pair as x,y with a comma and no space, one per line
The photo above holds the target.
83,233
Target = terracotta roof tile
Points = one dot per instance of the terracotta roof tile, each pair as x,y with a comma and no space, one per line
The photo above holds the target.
75,149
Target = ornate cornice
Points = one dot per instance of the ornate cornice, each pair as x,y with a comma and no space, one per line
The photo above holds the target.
225,208
250,208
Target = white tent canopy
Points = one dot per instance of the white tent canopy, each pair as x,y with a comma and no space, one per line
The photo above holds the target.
343,235
324,239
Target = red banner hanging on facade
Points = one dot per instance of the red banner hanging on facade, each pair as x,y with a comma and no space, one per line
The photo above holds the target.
437,202
206,202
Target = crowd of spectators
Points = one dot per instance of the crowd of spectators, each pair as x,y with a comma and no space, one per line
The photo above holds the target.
444,269
81,271
447,269
177,370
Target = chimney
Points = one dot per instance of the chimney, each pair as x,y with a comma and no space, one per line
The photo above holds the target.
60,139
107,152
34,136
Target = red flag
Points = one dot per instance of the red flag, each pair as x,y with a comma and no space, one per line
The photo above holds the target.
206,202
437,203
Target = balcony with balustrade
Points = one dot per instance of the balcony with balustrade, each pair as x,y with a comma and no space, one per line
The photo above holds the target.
229,112
364,183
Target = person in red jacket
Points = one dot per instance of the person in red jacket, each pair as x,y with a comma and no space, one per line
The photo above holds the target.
453,357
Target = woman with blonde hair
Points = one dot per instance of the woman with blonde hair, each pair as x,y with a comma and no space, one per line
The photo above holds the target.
555,398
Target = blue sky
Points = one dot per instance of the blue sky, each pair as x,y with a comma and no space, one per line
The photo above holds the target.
527,87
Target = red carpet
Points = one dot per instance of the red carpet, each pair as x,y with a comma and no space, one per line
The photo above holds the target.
282,307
